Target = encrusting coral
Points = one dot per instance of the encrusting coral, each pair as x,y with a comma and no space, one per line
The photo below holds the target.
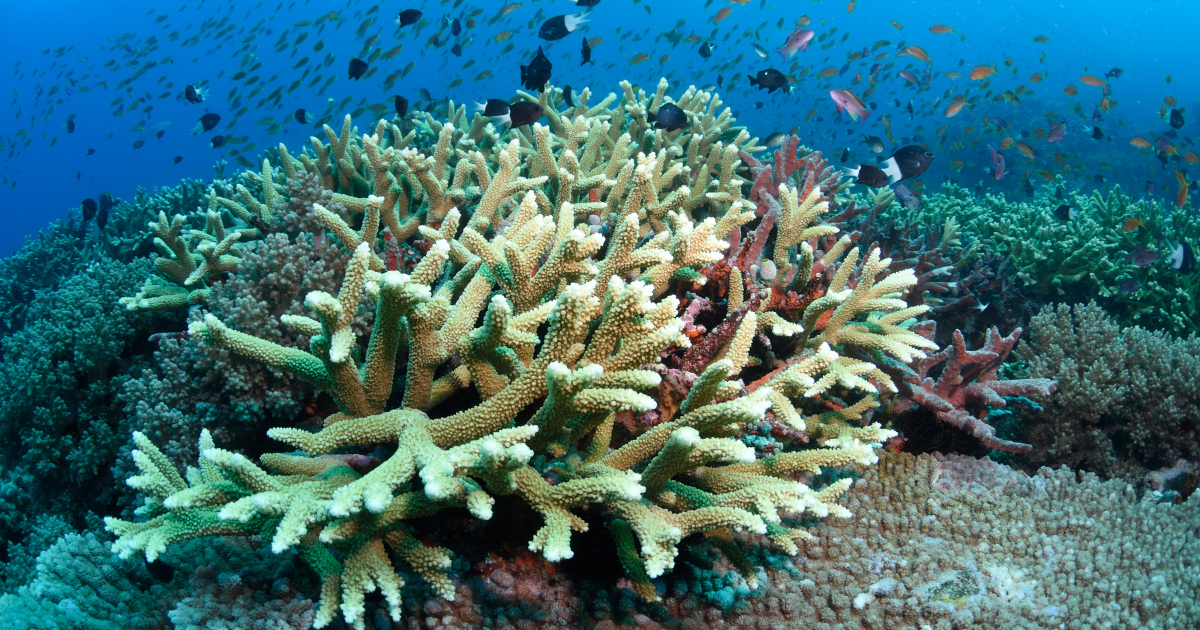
556,321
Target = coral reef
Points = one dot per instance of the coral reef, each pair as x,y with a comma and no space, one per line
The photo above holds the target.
936,542
590,373
1128,399
967,393
505,257
1090,256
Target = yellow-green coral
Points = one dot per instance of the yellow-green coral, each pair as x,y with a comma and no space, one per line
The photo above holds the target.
526,260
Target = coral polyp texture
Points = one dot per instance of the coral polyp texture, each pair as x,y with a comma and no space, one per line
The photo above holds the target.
511,359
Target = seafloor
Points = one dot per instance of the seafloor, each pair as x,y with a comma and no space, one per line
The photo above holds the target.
436,373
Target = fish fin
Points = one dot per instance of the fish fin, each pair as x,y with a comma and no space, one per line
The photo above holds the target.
892,169
852,172
573,21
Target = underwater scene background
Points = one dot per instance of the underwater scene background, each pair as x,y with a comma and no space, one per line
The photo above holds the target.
600,314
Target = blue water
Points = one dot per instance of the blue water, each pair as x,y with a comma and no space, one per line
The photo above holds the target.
46,172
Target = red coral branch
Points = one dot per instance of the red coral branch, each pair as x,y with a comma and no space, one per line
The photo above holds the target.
968,387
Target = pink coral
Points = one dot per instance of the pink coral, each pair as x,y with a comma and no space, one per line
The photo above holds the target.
968,383
769,176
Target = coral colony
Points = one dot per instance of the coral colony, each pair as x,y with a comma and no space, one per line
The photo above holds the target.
605,338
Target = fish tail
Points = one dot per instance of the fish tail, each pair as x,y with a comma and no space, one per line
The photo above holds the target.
782,52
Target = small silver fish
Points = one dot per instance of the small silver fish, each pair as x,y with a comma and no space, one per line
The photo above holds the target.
762,52
774,139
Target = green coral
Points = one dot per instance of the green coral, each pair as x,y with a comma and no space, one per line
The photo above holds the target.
1086,257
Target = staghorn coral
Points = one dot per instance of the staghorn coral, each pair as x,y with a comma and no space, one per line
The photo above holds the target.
967,393
1128,399
506,252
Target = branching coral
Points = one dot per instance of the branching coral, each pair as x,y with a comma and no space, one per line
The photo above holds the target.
554,327
1128,398
967,391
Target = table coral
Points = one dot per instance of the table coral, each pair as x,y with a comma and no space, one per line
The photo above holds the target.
547,324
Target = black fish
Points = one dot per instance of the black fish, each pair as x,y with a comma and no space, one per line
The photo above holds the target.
91,152
522,113
1149,187
758,105
587,53
1176,118
137,144
559,27
71,124
535,75
1183,260
770,80
845,155
89,208
567,96
160,570
192,95
301,116
706,49
358,67
209,121
493,107
408,16
586,3
720,79
107,203
907,163
455,27
177,159
1064,213
218,142
160,133
456,49
401,106
669,117
1097,134
1114,73
868,175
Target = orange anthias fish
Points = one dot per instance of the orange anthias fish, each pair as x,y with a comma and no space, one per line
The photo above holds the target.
850,7
1088,79
1025,149
1046,175
721,15
1181,198
1041,39
1008,142
1070,90
982,72
954,108
898,26
1036,78
1132,224
639,58
919,53
1191,158
940,29
1170,101
953,75
1140,142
